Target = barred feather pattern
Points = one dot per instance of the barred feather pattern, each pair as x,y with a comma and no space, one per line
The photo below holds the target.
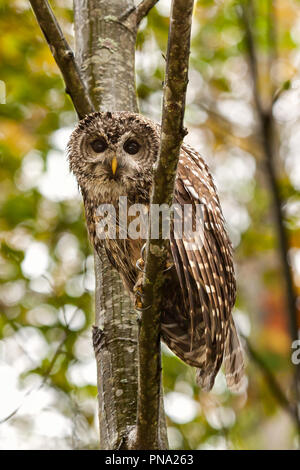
207,282
197,322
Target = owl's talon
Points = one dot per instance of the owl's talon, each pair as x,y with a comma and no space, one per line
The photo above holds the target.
139,296
138,292
169,266
142,309
140,264
138,305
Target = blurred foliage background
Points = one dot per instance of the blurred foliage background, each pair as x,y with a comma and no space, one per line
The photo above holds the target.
47,367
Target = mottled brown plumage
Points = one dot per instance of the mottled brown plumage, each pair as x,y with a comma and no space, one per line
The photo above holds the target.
112,155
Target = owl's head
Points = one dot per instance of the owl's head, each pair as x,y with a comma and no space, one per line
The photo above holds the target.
112,154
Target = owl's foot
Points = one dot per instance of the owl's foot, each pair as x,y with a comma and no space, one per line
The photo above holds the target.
169,265
140,264
138,292
138,288
138,304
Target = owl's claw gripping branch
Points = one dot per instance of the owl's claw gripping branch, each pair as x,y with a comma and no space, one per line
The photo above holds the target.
143,309
139,295
169,265
138,288
140,264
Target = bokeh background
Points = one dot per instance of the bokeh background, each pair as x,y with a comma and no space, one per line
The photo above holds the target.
47,367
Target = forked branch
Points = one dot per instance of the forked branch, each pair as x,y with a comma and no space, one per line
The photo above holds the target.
143,9
63,56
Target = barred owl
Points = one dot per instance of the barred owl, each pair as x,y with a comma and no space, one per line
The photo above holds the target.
112,155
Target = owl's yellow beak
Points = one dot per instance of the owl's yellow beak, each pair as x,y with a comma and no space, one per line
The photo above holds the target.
114,165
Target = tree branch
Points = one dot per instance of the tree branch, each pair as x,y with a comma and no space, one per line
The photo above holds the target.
267,127
272,382
172,133
63,56
143,9
48,371
246,16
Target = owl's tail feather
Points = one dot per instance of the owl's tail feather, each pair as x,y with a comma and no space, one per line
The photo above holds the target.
233,360
205,379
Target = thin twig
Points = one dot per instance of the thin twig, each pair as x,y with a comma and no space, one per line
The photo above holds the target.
172,133
29,392
272,381
48,371
267,126
143,9
245,13
222,127
63,56
272,40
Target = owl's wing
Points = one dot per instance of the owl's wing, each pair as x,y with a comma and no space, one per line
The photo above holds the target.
205,270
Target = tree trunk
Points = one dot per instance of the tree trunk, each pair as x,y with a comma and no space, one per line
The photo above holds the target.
105,36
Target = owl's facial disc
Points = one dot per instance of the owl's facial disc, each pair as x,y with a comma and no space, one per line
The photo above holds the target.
112,154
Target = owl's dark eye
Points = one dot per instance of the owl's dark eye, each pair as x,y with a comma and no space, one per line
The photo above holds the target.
131,146
99,145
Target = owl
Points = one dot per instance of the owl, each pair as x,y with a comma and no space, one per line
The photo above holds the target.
113,155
